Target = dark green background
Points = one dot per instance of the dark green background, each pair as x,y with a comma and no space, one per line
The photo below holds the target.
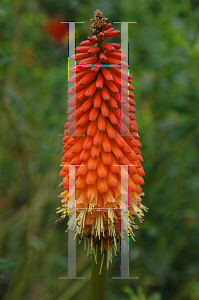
164,62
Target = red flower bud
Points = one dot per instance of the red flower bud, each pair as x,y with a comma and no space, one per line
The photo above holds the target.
94,50
103,57
101,35
112,33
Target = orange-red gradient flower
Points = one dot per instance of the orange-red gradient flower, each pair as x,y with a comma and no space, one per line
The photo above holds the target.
101,150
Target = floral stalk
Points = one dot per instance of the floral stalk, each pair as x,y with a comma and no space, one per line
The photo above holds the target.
98,276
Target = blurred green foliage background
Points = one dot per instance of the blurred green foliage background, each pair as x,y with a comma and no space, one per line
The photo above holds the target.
164,62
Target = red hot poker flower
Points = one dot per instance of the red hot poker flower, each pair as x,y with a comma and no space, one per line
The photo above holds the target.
101,150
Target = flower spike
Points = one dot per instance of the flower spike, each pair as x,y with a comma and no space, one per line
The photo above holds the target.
101,151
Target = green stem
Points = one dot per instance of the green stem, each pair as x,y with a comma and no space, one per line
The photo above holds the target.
98,282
